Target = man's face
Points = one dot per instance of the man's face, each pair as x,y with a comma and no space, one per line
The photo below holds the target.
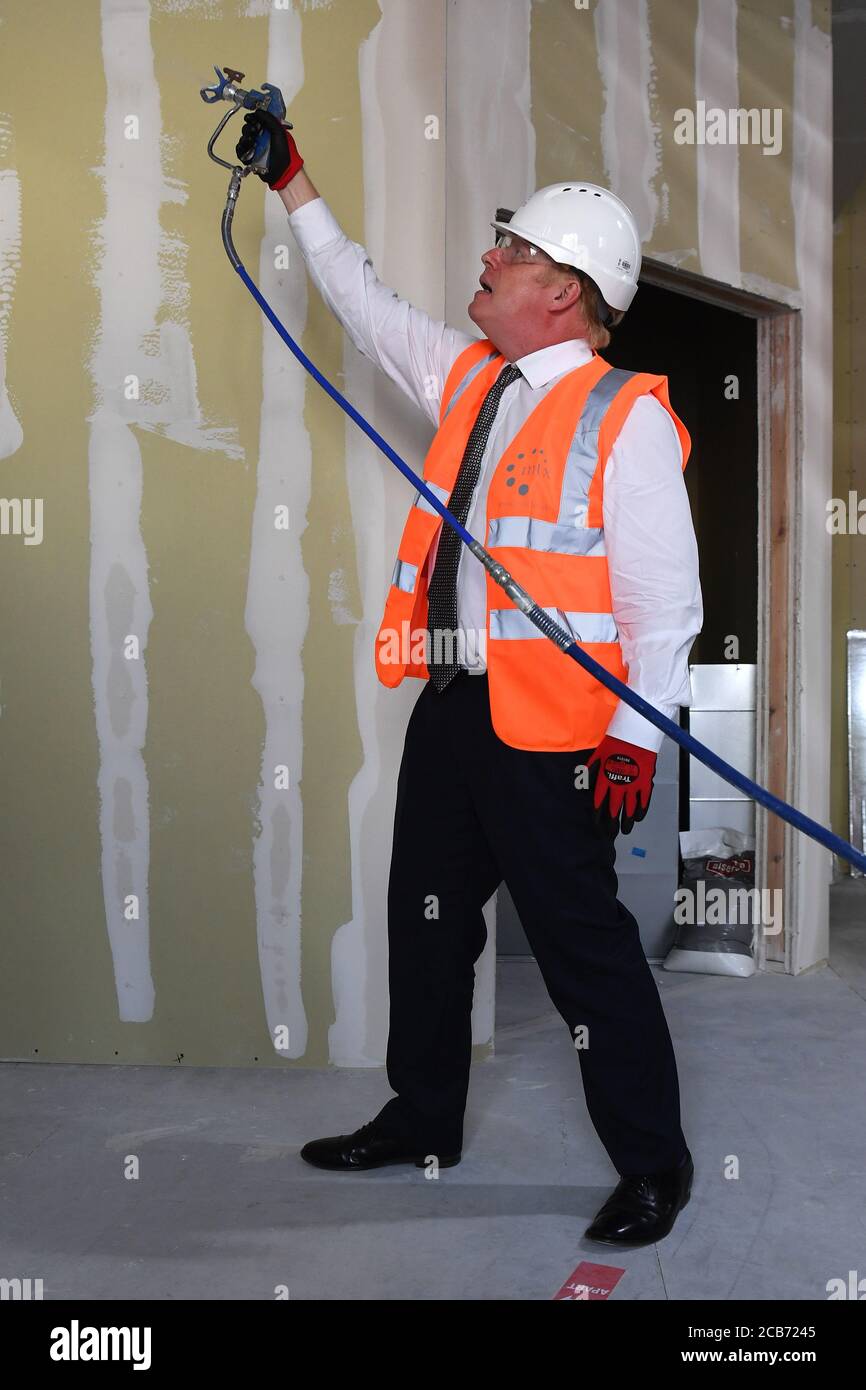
513,291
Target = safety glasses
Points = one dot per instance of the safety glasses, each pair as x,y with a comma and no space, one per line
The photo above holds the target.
517,252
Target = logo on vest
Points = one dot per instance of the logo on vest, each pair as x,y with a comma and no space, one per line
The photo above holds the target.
532,468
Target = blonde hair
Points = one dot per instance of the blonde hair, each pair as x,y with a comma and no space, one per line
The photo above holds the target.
591,305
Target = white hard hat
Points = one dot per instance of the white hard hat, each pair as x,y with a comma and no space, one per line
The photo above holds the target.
583,225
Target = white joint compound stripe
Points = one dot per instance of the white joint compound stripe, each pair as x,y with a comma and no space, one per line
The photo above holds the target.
718,166
630,141
130,238
277,609
11,433
119,591
392,117
812,200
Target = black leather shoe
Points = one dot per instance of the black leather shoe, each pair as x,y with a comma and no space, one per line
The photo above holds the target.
643,1209
368,1147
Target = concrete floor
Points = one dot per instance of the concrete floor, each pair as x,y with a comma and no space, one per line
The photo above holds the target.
771,1070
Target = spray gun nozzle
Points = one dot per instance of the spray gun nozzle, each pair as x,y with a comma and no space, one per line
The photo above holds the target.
269,99
226,88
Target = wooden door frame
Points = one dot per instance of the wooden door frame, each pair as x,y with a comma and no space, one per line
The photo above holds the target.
779,344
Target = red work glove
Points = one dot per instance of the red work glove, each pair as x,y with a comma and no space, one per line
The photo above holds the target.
284,160
623,781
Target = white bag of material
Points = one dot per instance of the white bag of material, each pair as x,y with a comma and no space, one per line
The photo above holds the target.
717,905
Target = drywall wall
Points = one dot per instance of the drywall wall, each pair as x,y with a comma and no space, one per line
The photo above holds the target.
849,474
198,764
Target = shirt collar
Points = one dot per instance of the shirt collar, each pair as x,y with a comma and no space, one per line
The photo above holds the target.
542,366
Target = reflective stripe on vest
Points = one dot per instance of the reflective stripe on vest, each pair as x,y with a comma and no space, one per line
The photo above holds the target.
420,501
583,453
405,576
529,532
470,376
508,623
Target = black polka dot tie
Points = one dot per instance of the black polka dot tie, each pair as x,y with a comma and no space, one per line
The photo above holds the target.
442,657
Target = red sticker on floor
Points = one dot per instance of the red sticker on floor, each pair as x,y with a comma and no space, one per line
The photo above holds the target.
590,1282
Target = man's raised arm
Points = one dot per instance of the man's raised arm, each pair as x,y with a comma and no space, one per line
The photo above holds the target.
413,349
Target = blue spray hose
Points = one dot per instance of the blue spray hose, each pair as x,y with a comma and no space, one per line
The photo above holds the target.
563,639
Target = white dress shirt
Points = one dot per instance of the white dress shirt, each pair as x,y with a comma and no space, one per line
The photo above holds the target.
649,536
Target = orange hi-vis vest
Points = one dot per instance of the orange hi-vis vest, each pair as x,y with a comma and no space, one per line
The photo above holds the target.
544,523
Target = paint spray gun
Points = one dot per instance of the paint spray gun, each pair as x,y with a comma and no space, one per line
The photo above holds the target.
269,99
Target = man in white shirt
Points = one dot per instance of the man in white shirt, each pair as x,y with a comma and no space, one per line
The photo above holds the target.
474,809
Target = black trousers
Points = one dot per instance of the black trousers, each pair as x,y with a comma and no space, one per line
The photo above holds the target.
471,812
